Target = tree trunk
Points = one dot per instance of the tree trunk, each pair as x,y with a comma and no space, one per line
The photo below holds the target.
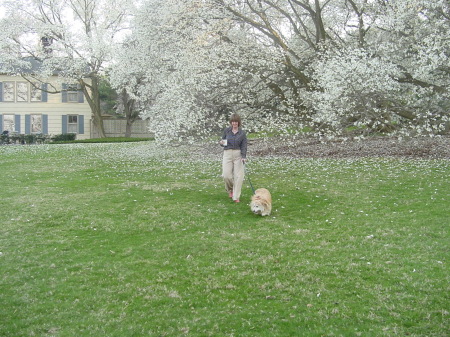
128,128
321,34
93,97
130,114
98,124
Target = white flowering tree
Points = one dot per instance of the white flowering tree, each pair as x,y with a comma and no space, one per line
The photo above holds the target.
74,38
127,78
196,65
395,79
332,66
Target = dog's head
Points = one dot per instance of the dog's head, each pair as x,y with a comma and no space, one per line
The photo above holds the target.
258,206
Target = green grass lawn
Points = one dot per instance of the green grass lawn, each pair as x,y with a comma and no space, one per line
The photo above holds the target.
134,240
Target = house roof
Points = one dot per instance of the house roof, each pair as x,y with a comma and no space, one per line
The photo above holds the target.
32,65
25,65
35,65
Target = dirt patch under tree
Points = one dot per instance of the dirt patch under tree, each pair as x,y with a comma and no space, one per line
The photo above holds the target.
425,148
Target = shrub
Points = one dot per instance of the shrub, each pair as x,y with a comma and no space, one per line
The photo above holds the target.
30,139
65,137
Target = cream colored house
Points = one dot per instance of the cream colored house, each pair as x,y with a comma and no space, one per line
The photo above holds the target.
25,109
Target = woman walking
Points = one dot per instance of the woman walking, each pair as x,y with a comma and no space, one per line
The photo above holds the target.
234,141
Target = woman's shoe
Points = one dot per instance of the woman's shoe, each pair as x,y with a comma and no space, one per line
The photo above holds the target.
230,194
237,200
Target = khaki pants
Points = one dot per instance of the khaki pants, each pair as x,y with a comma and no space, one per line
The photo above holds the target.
233,172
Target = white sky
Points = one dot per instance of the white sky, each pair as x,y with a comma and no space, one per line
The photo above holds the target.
2,9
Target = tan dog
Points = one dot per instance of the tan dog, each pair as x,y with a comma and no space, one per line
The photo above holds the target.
261,202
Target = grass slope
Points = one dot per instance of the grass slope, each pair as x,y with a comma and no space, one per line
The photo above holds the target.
133,240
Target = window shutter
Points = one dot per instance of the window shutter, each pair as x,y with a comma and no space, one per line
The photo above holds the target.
45,124
27,124
1,91
80,96
64,124
44,96
81,124
1,123
64,93
17,123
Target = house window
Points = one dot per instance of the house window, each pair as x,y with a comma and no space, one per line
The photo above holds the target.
22,92
72,93
36,93
8,91
36,123
8,123
72,124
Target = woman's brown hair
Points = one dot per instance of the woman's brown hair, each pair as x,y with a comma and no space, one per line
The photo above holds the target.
235,118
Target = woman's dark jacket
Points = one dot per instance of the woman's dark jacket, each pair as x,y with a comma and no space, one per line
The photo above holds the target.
237,141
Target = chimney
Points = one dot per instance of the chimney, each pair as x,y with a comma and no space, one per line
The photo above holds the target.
46,43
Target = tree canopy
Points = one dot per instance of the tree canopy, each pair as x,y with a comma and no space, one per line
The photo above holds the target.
286,65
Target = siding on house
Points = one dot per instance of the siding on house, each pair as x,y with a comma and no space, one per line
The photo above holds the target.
52,108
